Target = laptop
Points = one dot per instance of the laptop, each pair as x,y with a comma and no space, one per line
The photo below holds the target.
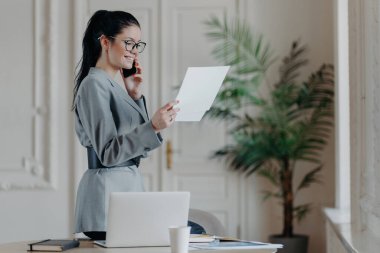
142,219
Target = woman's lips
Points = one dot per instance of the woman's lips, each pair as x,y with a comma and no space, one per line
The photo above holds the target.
129,58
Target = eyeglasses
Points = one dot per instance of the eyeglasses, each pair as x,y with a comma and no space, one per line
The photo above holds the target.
130,45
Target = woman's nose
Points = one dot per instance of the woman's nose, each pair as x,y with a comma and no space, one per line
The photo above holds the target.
135,51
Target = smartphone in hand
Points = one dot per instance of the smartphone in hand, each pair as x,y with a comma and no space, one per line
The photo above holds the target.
129,72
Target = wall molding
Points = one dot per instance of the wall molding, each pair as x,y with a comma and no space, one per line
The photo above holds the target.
39,171
81,13
358,117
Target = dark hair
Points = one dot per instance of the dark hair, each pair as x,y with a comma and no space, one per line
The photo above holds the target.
109,23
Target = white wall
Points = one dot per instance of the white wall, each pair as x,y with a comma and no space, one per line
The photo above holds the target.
362,232
365,110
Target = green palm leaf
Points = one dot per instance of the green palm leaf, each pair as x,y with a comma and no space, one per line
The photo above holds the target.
301,211
309,178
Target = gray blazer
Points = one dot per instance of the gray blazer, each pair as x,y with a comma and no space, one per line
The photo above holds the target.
118,128
110,121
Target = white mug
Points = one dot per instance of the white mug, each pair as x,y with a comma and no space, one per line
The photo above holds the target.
179,239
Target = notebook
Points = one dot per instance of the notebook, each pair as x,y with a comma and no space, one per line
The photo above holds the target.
53,245
142,219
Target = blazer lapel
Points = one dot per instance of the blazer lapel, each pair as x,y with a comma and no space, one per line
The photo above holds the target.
133,103
129,100
120,91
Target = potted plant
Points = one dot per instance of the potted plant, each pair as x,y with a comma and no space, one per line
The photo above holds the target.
273,125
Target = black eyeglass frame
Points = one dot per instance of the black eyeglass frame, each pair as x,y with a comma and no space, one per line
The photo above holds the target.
135,45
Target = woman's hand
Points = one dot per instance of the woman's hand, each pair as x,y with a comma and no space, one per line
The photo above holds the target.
165,116
133,82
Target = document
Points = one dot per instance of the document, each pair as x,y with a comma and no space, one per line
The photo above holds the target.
197,238
198,91
235,245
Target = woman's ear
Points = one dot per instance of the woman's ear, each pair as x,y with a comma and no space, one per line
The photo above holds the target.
104,42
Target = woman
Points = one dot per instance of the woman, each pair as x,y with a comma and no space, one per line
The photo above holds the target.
112,123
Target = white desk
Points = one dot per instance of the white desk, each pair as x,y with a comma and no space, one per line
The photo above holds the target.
88,247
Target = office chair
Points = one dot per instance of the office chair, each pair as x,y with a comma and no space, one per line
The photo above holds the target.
209,222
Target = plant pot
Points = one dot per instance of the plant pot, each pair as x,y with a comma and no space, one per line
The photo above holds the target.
295,244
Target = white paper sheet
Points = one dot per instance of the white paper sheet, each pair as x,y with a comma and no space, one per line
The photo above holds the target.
198,91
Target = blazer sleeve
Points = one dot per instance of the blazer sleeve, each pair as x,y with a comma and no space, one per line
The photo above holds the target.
93,107
142,104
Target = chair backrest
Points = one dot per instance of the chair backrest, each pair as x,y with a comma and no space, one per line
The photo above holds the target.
208,221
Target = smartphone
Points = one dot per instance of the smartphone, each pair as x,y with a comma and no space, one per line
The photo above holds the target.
129,72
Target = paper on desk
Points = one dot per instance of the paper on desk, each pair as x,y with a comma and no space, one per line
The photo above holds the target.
198,91
235,245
